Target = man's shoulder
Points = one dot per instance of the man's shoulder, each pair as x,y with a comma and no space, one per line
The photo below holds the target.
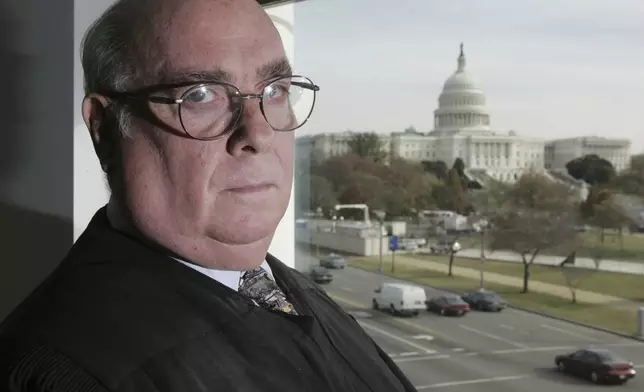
28,366
107,317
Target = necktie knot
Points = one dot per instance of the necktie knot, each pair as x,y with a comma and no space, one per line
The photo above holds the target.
258,286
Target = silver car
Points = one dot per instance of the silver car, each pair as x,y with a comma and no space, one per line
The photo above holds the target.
333,261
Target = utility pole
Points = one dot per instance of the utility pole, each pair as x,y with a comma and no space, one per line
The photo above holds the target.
381,219
483,226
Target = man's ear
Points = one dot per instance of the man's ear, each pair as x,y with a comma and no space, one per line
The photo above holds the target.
100,123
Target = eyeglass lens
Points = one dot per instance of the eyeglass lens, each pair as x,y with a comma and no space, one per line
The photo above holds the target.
208,110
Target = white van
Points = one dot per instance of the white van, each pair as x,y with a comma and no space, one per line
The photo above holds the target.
400,298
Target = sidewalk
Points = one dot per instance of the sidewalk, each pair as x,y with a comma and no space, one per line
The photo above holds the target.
624,267
535,286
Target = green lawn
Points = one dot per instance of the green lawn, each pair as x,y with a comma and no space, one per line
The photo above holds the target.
617,318
619,285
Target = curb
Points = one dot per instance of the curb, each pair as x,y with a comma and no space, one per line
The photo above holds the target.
522,309
579,323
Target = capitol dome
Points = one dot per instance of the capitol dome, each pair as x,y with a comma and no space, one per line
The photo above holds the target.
461,104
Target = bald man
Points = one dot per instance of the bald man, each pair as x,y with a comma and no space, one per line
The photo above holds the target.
192,107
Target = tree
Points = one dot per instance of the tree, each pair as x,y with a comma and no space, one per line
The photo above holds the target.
363,188
398,187
338,169
459,200
368,145
459,166
536,214
452,253
631,180
608,215
487,201
574,276
597,194
591,169
321,194
436,168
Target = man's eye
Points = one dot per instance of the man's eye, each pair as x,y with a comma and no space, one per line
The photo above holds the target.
275,91
201,95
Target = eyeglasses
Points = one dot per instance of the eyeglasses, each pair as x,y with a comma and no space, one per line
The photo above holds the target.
206,111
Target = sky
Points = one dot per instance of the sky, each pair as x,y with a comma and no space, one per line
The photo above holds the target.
549,69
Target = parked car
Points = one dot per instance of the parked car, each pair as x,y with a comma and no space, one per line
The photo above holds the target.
445,246
321,275
448,305
484,300
333,261
400,298
597,365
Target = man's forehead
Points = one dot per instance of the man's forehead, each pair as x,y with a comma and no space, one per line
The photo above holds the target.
200,43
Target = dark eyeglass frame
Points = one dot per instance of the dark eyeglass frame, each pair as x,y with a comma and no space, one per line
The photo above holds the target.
147,94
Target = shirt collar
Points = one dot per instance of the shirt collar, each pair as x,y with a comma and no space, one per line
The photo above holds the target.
228,278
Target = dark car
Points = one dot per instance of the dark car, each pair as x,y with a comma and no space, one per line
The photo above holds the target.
321,275
597,365
448,305
333,261
484,300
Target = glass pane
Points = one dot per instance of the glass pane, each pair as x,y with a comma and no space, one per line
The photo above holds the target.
507,127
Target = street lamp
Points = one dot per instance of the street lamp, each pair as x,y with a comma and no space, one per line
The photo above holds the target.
482,224
380,214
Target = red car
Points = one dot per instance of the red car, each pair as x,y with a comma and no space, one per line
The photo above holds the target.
597,365
448,305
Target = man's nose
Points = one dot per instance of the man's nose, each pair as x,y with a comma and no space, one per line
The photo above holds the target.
253,133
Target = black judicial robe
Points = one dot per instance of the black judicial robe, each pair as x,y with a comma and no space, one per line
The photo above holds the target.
117,315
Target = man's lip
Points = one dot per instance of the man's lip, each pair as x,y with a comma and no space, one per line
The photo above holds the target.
250,188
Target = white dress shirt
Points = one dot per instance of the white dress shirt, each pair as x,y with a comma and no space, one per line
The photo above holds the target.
226,277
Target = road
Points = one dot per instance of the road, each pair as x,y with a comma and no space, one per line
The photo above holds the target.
510,351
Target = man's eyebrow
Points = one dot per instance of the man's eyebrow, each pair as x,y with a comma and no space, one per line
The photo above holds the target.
216,75
267,71
274,69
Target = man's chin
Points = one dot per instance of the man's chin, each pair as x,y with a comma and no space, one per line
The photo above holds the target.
244,232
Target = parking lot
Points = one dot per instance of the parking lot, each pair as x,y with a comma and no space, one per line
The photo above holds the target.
507,351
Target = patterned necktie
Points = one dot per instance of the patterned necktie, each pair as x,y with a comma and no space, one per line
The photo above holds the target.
258,286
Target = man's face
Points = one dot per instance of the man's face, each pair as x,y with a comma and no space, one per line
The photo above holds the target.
234,190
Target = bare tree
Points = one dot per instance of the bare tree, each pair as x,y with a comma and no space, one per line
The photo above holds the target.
574,275
452,252
608,215
536,214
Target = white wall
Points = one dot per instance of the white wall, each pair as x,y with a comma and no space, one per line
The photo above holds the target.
283,245
90,190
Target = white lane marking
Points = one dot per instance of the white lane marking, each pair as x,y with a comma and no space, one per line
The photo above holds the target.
408,354
458,350
570,333
489,335
511,328
623,344
423,337
346,289
418,359
532,349
359,314
398,338
469,382
471,354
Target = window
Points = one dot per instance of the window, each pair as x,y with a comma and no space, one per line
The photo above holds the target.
524,99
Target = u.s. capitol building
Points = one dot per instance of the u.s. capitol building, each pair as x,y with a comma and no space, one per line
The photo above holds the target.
463,129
